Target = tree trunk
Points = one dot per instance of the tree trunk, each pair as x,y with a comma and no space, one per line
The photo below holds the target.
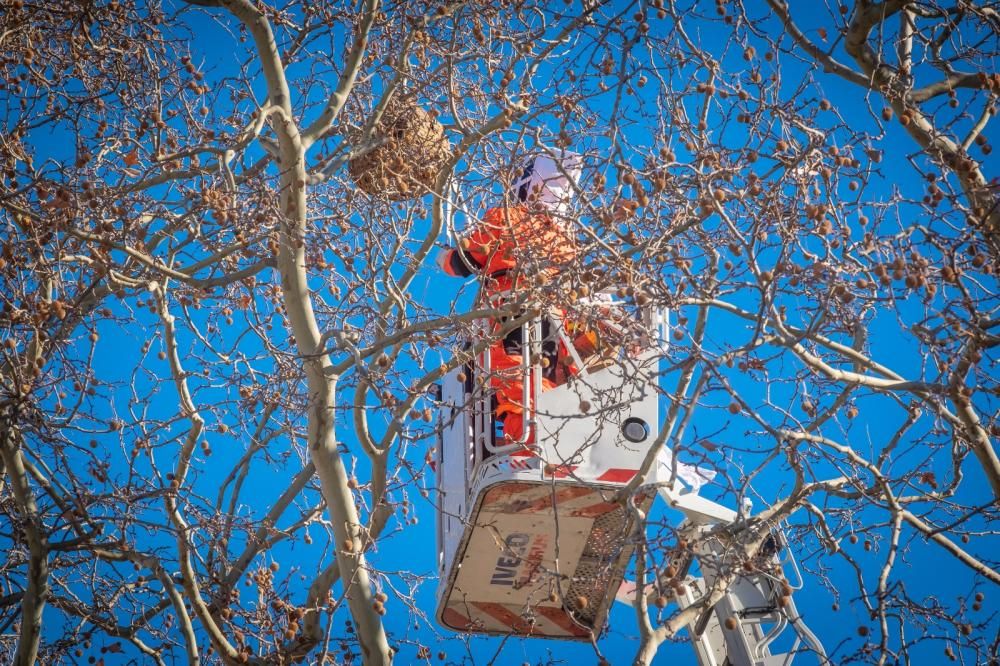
37,588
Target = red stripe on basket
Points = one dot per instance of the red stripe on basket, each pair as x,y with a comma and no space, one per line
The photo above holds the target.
560,496
618,475
561,619
455,620
503,493
519,463
595,510
503,614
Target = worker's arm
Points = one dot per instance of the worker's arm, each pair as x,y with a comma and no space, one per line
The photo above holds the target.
474,251
458,262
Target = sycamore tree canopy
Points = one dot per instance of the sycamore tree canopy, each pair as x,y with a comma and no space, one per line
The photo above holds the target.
221,322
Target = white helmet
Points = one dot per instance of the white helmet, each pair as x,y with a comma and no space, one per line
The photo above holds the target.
542,182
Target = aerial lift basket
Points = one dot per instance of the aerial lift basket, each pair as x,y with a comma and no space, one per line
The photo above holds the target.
537,545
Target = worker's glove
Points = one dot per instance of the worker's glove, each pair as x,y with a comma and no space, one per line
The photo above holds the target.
443,261
453,263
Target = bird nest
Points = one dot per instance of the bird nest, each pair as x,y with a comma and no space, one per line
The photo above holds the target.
407,162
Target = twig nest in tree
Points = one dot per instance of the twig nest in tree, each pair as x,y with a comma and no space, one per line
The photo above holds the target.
412,151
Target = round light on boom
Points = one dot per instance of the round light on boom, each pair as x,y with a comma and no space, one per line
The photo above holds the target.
635,429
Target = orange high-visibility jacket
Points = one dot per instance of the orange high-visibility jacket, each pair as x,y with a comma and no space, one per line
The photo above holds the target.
511,243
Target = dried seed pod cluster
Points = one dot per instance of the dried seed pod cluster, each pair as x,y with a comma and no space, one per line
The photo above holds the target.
414,148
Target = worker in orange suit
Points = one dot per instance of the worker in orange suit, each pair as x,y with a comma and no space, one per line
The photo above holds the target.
507,238
511,246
